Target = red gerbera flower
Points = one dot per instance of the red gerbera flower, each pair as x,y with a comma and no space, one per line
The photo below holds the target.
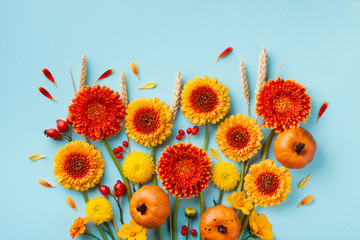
184,170
282,104
96,112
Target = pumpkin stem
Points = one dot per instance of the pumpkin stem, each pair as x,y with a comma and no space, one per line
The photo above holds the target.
299,148
141,208
222,228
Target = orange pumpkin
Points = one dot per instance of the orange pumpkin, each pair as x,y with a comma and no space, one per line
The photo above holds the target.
220,223
150,206
295,148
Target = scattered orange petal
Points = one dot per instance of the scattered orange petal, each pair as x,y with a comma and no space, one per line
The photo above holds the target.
224,53
322,110
215,154
134,69
306,200
49,76
36,157
45,183
148,85
304,182
105,74
71,202
46,93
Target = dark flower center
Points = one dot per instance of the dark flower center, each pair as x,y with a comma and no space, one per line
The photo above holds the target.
204,99
96,112
238,138
267,183
146,121
76,165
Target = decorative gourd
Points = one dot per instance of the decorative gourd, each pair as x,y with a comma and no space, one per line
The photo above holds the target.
220,223
150,206
295,148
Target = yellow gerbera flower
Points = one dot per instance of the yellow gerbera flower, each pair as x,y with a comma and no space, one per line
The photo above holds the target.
239,137
138,167
225,175
147,121
78,227
99,210
266,184
78,166
204,100
240,202
132,231
260,226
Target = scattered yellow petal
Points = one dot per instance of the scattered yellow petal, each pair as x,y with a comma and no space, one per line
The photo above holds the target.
306,200
45,183
215,154
134,69
71,202
304,182
148,85
36,157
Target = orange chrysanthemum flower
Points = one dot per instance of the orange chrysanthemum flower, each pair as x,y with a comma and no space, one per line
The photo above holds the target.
96,112
185,170
78,166
239,137
282,104
204,100
78,227
147,121
266,184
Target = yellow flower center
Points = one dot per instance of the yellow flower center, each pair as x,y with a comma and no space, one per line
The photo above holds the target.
267,183
238,138
96,112
186,168
283,104
204,99
146,121
76,165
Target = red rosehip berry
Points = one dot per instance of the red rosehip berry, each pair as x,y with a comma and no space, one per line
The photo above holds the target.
194,131
181,132
68,120
119,155
178,137
119,189
115,150
62,126
193,232
184,233
184,228
189,131
120,148
125,144
104,190
52,133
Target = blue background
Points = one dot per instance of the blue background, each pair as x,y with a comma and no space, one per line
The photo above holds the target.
317,42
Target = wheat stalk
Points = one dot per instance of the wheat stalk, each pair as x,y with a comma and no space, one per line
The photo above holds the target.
176,97
245,85
124,90
262,72
83,73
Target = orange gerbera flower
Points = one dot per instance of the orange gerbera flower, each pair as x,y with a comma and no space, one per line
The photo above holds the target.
282,104
78,166
204,100
266,184
78,227
239,137
96,112
185,170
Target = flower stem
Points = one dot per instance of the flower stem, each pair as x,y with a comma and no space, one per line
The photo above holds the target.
121,214
152,155
220,197
109,229
247,237
100,229
246,223
188,227
202,208
242,175
174,216
108,148
90,234
267,145
206,138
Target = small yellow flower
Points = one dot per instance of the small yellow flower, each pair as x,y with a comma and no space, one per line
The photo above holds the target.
78,227
240,202
225,175
190,212
138,167
260,226
98,210
132,231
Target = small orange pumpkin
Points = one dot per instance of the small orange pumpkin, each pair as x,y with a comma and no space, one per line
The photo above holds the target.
295,148
150,206
220,223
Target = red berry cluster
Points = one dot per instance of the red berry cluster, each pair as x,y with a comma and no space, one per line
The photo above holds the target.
61,125
184,231
119,149
189,131
118,191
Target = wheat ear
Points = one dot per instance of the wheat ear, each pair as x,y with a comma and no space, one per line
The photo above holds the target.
245,85
176,97
83,72
262,72
124,90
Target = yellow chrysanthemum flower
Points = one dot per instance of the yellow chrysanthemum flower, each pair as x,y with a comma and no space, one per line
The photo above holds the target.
239,137
138,167
266,184
147,121
240,202
225,175
204,100
78,166
260,226
132,231
99,210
